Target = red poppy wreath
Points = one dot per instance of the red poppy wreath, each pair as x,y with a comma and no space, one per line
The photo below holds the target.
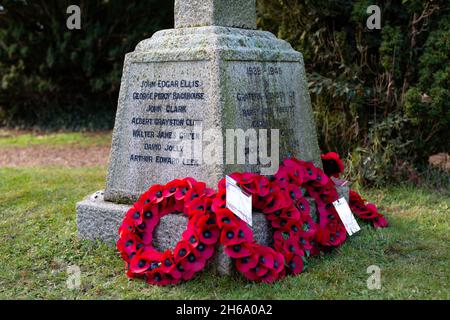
282,198
288,213
190,255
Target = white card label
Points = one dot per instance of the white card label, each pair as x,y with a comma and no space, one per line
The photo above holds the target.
238,202
346,216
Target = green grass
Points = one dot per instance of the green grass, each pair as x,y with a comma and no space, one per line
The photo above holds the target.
38,241
12,139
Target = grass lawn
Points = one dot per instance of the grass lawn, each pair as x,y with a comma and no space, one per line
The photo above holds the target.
38,241
10,138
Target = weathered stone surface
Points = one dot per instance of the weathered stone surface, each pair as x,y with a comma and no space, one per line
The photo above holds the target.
98,219
247,80
225,13
185,83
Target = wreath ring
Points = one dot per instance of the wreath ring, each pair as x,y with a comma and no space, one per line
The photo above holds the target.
289,215
143,260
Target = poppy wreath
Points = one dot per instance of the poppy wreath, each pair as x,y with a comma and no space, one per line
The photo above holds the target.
334,167
198,241
288,213
302,179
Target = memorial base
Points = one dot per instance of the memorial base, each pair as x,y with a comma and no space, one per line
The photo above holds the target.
98,219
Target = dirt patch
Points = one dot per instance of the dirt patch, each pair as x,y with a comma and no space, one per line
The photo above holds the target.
440,160
70,156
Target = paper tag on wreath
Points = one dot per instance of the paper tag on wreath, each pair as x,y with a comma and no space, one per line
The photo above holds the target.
346,215
238,202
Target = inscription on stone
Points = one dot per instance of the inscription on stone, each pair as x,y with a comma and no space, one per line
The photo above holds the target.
164,107
164,111
265,95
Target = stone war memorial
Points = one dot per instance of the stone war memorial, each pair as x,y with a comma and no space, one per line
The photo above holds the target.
186,96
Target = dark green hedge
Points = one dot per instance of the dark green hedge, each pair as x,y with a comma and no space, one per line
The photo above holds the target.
381,97
55,78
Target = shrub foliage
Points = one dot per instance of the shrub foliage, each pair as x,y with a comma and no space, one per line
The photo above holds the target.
379,96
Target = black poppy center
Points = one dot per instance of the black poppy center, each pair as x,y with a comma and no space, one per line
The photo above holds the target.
207,234
148,215
191,258
141,263
226,220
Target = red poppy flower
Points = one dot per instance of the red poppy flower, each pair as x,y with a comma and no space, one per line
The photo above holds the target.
199,206
203,250
194,261
183,187
127,226
255,184
305,243
295,264
310,171
159,279
294,170
128,245
322,178
294,191
267,257
182,250
219,203
302,204
145,260
153,195
276,200
380,221
190,235
221,184
232,235
198,190
332,164
167,262
244,264
290,213
210,232
238,250
282,177
270,277
227,219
